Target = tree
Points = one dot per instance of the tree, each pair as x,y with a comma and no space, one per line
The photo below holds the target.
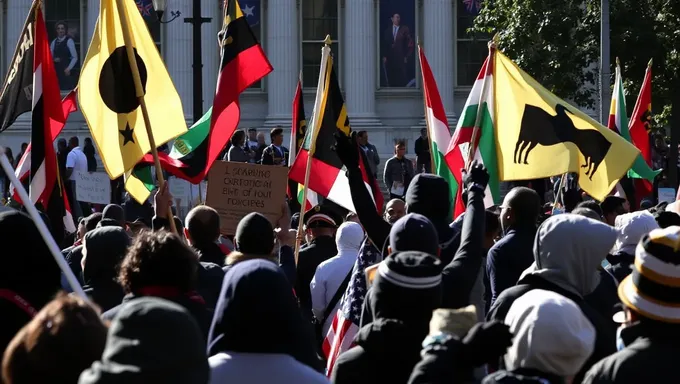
557,42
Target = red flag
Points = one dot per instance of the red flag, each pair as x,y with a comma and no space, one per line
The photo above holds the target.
639,127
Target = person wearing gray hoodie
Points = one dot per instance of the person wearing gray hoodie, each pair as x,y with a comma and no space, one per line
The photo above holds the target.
568,249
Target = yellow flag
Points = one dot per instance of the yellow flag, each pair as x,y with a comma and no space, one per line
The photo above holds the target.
539,135
106,91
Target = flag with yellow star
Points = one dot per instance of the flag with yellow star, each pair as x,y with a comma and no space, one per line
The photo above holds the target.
107,96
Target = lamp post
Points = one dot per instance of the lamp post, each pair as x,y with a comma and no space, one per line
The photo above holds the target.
196,21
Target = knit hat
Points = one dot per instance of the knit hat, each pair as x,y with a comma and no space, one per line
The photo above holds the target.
112,215
414,232
652,288
407,287
254,235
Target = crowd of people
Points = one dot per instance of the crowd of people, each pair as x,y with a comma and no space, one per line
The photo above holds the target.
508,294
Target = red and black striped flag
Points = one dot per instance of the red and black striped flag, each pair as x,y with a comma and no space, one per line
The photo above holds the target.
243,63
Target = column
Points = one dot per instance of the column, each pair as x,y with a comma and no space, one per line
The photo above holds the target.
359,59
177,46
210,50
17,10
92,15
438,31
282,47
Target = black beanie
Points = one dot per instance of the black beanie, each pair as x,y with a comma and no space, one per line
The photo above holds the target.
254,235
414,232
428,195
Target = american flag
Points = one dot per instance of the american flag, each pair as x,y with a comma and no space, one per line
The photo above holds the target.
145,7
345,325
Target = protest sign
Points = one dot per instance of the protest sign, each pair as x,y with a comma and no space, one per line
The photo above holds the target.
237,189
93,187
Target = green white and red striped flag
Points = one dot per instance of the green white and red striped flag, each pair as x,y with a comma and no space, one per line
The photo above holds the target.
481,96
437,125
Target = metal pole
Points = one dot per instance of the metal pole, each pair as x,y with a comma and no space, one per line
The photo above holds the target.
198,63
605,74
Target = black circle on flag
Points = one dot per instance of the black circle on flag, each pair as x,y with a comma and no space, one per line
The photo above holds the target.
116,84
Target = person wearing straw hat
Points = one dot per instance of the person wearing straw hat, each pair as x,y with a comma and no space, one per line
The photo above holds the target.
649,337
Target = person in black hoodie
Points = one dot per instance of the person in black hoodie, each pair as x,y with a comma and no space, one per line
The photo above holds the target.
428,195
104,249
29,278
405,291
160,264
151,341
255,296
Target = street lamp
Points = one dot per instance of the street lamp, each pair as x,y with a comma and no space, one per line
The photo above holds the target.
196,21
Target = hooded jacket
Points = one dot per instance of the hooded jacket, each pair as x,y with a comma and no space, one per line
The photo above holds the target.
568,250
29,276
388,349
105,249
151,340
257,321
630,227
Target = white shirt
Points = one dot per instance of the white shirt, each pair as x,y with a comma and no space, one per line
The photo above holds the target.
77,160
261,368
71,48
328,277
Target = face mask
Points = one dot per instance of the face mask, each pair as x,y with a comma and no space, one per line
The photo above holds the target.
620,345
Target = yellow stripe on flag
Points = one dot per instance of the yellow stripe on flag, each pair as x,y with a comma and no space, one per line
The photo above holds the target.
540,135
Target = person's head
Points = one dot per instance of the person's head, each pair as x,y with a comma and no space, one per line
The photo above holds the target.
568,252
276,136
349,237
8,152
73,142
61,144
151,340
238,138
423,133
158,259
252,134
202,226
320,221
62,340
611,207
428,195
61,27
492,229
88,142
551,335
92,221
24,146
260,138
81,231
400,149
254,235
521,207
363,137
587,212
351,217
592,205
103,251
394,210
396,19
113,215
630,228
254,293
413,232
648,293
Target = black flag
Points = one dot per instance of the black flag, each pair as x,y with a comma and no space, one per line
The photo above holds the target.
17,91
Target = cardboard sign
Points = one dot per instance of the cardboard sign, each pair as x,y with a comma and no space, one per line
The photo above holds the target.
237,189
93,187
667,195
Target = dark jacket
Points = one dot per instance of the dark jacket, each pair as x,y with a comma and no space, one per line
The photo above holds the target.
422,150
256,295
210,253
106,247
316,252
524,376
508,258
73,258
649,356
273,156
620,265
427,196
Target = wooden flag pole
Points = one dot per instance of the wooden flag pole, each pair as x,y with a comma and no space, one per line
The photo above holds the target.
316,123
139,90
427,122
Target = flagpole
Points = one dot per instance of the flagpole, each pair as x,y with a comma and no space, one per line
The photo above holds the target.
42,228
316,123
139,89
427,121
478,118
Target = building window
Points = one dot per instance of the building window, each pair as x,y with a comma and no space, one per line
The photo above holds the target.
146,9
471,49
252,11
397,43
319,18
62,19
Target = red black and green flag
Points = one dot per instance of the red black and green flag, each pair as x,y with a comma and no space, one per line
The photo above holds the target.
243,63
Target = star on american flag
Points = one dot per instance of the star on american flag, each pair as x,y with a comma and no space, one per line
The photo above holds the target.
145,7
250,9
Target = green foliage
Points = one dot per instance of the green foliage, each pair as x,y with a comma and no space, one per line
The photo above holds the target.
557,42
